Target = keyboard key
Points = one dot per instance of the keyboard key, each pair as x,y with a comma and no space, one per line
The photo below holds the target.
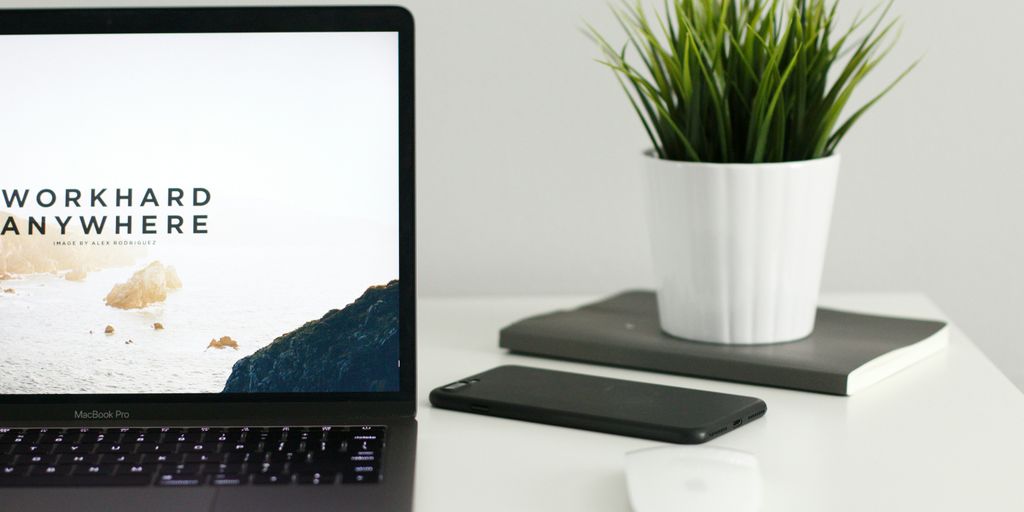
76,481
239,458
228,479
170,480
364,445
271,479
93,437
269,436
79,458
113,448
45,470
117,458
201,457
327,458
159,458
156,448
28,436
95,469
338,432
320,467
282,457
116,480
38,459
286,446
185,469
316,478
270,469
140,438
360,474
241,447
184,438
72,448
137,469
51,435
228,469
365,433
328,446
25,448
360,478
197,448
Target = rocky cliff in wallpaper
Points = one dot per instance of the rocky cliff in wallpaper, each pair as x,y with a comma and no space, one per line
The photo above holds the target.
351,349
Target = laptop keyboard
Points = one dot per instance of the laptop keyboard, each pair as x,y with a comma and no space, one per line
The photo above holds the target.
185,457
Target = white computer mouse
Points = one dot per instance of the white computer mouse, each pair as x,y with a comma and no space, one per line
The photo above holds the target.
693,479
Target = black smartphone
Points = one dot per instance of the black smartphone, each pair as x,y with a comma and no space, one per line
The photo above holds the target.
636,409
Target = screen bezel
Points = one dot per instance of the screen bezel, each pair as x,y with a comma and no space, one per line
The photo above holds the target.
149,408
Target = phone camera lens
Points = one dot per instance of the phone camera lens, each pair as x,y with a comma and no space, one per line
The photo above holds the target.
455,386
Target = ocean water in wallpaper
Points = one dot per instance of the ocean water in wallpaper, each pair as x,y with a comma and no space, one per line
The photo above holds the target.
230,304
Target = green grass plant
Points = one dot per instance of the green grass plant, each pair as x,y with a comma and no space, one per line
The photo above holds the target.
747,81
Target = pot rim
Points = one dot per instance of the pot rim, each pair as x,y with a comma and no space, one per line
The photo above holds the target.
649,154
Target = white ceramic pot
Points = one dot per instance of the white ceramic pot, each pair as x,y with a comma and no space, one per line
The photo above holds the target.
739,248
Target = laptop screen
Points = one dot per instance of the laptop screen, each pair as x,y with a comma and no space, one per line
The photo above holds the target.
199,213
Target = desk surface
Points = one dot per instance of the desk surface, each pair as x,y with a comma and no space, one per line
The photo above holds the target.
944,434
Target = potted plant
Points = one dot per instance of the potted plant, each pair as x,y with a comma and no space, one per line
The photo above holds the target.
742,101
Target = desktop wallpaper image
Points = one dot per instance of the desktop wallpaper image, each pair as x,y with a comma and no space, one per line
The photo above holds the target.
190,226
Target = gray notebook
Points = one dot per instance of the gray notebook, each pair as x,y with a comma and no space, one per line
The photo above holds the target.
846,353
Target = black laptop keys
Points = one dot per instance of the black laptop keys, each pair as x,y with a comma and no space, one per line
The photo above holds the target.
186,457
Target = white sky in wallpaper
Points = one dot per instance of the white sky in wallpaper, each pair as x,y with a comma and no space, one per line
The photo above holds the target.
275,125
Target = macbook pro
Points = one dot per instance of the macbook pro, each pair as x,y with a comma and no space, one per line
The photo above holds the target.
206,259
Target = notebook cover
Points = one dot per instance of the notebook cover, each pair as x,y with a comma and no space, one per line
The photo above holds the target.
623,330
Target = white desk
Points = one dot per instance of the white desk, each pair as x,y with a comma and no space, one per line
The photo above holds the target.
945,434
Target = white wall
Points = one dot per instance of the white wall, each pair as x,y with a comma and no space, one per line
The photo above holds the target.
529,176
529,180
530,183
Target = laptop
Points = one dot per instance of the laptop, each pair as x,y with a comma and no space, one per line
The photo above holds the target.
207,280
